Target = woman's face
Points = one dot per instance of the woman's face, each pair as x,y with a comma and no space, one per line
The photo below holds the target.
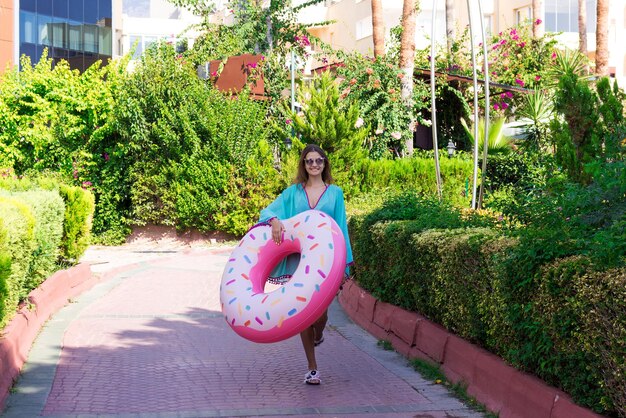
314,163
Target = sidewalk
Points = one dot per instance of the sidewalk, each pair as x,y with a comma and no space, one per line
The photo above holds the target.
150,341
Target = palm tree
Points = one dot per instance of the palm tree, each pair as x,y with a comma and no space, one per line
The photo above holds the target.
407,60
602,37
450,30
539,12
582,26
378,28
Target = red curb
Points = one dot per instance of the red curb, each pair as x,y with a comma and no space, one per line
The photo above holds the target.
500,387
565,408
431,339
404,325
382,315
491,380
459,360
20,333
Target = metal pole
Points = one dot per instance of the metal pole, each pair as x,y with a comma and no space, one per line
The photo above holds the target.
475,178
433,114
293,80
487,108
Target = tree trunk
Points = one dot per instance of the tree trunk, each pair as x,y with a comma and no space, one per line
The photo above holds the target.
539,15
582,26
602,38
378,28
450,29
407,62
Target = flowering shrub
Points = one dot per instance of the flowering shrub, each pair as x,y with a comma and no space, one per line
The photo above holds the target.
374,84
519,60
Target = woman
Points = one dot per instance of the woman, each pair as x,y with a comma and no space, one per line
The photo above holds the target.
312,189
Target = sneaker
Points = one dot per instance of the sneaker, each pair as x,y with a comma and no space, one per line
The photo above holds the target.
312,378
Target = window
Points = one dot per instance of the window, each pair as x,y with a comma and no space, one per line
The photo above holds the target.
76,36
488,24
562,15
364,28
522,15
28,27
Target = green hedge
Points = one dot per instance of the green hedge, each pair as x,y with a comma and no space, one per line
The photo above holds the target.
418,173
79,209
20,243
565,322
47,208
43,223
5,272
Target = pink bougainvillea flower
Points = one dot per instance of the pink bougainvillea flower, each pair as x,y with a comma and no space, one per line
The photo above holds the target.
396,135
538,22
214,74
509,94
288,121
537,77
522,44
496,106
520,82
553,56
504,105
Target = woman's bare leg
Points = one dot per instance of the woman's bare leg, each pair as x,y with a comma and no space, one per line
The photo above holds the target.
308,337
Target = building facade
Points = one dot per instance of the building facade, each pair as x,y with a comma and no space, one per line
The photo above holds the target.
352,27
77,31
147,21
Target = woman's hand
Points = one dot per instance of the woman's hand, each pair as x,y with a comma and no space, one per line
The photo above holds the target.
277,230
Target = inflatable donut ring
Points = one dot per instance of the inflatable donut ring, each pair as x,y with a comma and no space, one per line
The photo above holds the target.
296,305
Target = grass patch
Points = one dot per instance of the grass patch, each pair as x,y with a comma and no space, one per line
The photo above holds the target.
385,345
433,373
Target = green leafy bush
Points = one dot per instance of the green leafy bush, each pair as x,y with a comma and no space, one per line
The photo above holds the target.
418,174
20,243
5,272
48,209
374,86
378,246
544,296
79,209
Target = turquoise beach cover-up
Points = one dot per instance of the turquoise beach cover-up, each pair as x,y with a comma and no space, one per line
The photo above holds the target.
294,200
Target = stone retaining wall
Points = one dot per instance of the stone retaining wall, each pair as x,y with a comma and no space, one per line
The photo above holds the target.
498,386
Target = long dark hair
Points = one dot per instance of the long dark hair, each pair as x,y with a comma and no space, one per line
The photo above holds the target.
302,176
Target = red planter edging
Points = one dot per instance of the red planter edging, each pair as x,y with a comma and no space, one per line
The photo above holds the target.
18,336
500,387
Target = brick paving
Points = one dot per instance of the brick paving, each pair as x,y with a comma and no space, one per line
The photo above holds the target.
150,341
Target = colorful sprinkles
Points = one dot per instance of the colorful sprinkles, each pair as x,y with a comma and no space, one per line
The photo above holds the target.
243,308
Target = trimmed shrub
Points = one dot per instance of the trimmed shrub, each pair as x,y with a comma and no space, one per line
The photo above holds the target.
79,209
5,272
48,211
19,242
417,174
577,322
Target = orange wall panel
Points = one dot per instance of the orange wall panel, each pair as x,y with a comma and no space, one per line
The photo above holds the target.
6,33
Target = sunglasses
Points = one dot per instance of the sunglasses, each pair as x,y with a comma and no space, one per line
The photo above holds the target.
317,161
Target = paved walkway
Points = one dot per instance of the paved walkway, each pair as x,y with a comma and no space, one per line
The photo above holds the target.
150,341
